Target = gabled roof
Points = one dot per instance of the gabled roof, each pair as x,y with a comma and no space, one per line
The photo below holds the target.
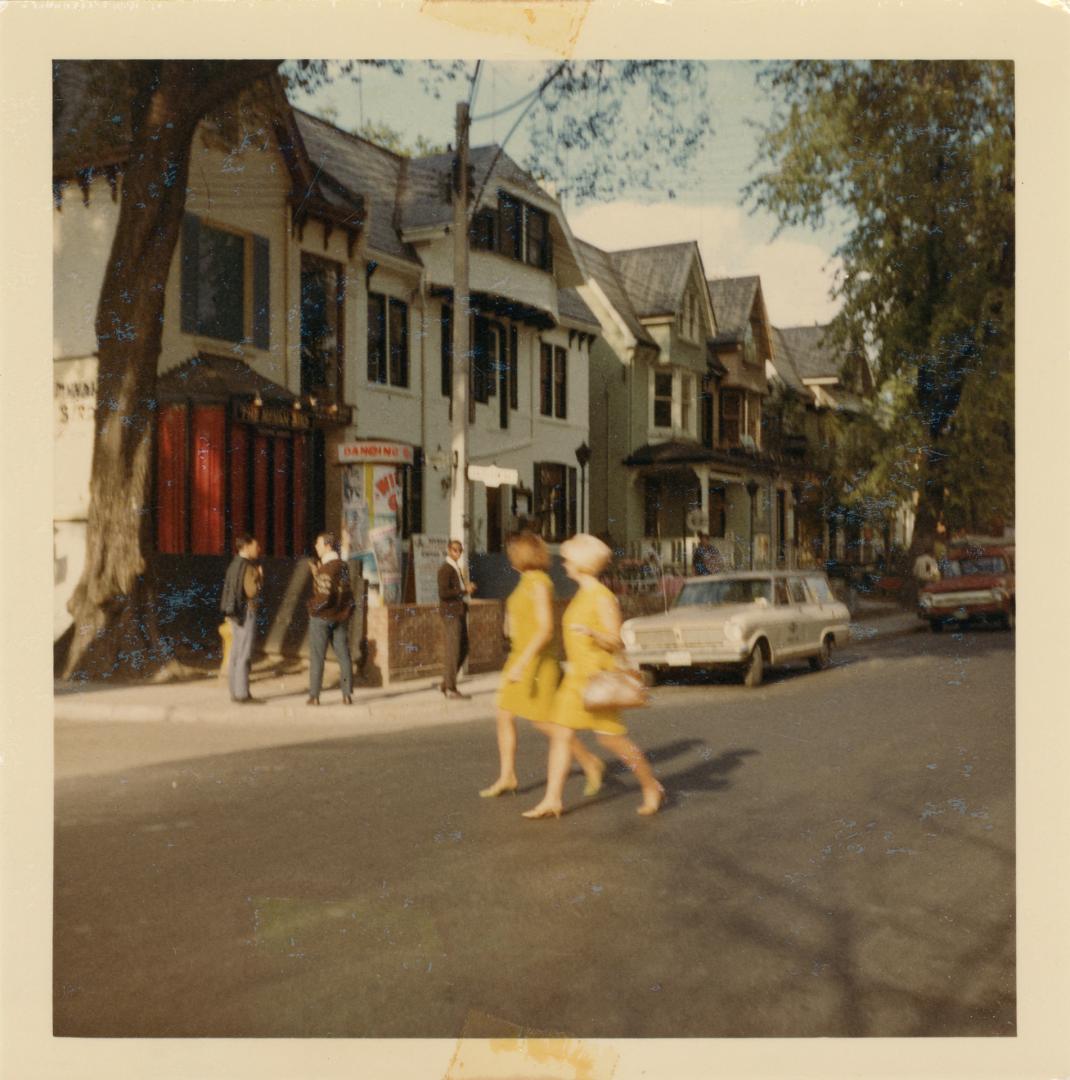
600,267
732,300
784,362
362,168
654,277
570,305
425,202
811,352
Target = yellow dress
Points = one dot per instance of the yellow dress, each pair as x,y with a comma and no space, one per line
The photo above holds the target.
532,695
585,658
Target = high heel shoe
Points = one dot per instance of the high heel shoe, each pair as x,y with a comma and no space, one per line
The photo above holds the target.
498,788
347,699
649,808
537,812
594,780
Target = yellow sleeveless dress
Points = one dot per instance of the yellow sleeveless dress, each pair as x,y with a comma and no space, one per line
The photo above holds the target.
532,695
584,658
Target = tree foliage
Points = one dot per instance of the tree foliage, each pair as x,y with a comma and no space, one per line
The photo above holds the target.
918,158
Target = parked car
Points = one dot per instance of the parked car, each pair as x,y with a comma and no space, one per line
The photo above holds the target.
747,621
976,585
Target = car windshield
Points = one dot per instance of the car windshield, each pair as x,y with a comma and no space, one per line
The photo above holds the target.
722,591
988,564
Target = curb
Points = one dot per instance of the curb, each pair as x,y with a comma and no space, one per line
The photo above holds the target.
400,709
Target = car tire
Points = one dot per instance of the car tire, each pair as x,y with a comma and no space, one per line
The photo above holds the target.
936,626
754,668
823,660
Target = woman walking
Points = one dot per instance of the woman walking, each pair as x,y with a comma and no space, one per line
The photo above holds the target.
531,672
591,626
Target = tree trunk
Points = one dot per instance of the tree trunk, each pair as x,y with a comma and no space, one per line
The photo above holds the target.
115,625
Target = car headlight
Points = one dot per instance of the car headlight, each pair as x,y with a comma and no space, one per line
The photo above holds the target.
627,635
733,631
926,601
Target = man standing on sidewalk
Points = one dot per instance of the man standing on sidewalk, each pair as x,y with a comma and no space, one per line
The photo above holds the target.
241,590
329,609
454,589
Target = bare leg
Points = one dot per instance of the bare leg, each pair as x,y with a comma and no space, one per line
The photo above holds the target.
633,757
507,755
594,768
561,740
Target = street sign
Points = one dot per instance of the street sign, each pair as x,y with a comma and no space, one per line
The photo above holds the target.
493,476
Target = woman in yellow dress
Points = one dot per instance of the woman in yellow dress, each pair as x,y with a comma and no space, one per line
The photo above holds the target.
591,628
531,671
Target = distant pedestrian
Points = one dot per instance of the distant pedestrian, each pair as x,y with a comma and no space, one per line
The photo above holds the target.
454,591
531,671
591,629
329,609
706,559
239,603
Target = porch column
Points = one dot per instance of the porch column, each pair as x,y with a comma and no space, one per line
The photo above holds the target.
703,474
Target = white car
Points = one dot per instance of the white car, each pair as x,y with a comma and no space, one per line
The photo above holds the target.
747,621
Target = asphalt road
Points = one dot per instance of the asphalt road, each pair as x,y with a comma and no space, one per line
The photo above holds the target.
836,858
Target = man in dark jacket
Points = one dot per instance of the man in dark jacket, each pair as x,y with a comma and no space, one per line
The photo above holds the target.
454,589
329,608
241,590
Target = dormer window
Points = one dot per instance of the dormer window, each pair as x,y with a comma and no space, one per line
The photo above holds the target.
520,232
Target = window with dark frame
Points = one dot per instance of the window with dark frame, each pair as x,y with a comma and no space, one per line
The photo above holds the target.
546,379
446,350
514,361
399,343
731,414
663,399
225,284
322,327
560,382
555,501
388,341
486,346
376,338
523,232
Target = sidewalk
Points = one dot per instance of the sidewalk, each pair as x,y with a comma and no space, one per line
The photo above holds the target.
407,704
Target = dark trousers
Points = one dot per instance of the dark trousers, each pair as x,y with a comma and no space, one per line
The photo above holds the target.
455,634
319,632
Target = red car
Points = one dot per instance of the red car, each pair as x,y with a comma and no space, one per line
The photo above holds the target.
976,585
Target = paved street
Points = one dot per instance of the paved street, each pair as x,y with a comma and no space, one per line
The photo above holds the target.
836,858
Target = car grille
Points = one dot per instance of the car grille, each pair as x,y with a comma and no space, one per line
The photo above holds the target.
655,639
666,638
961,599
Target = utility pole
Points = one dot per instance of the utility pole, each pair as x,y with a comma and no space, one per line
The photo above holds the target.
459,501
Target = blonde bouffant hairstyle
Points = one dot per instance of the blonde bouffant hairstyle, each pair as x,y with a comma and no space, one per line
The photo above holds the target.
586,553
527,551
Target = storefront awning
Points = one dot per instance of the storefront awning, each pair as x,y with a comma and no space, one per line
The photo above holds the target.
503,307
207,379
674,454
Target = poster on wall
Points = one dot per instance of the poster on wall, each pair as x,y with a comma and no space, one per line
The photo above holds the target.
387,554
428,554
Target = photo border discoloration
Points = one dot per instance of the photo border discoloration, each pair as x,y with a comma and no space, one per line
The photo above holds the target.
1034,36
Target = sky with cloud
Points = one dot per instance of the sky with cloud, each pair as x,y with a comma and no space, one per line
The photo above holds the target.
796,266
